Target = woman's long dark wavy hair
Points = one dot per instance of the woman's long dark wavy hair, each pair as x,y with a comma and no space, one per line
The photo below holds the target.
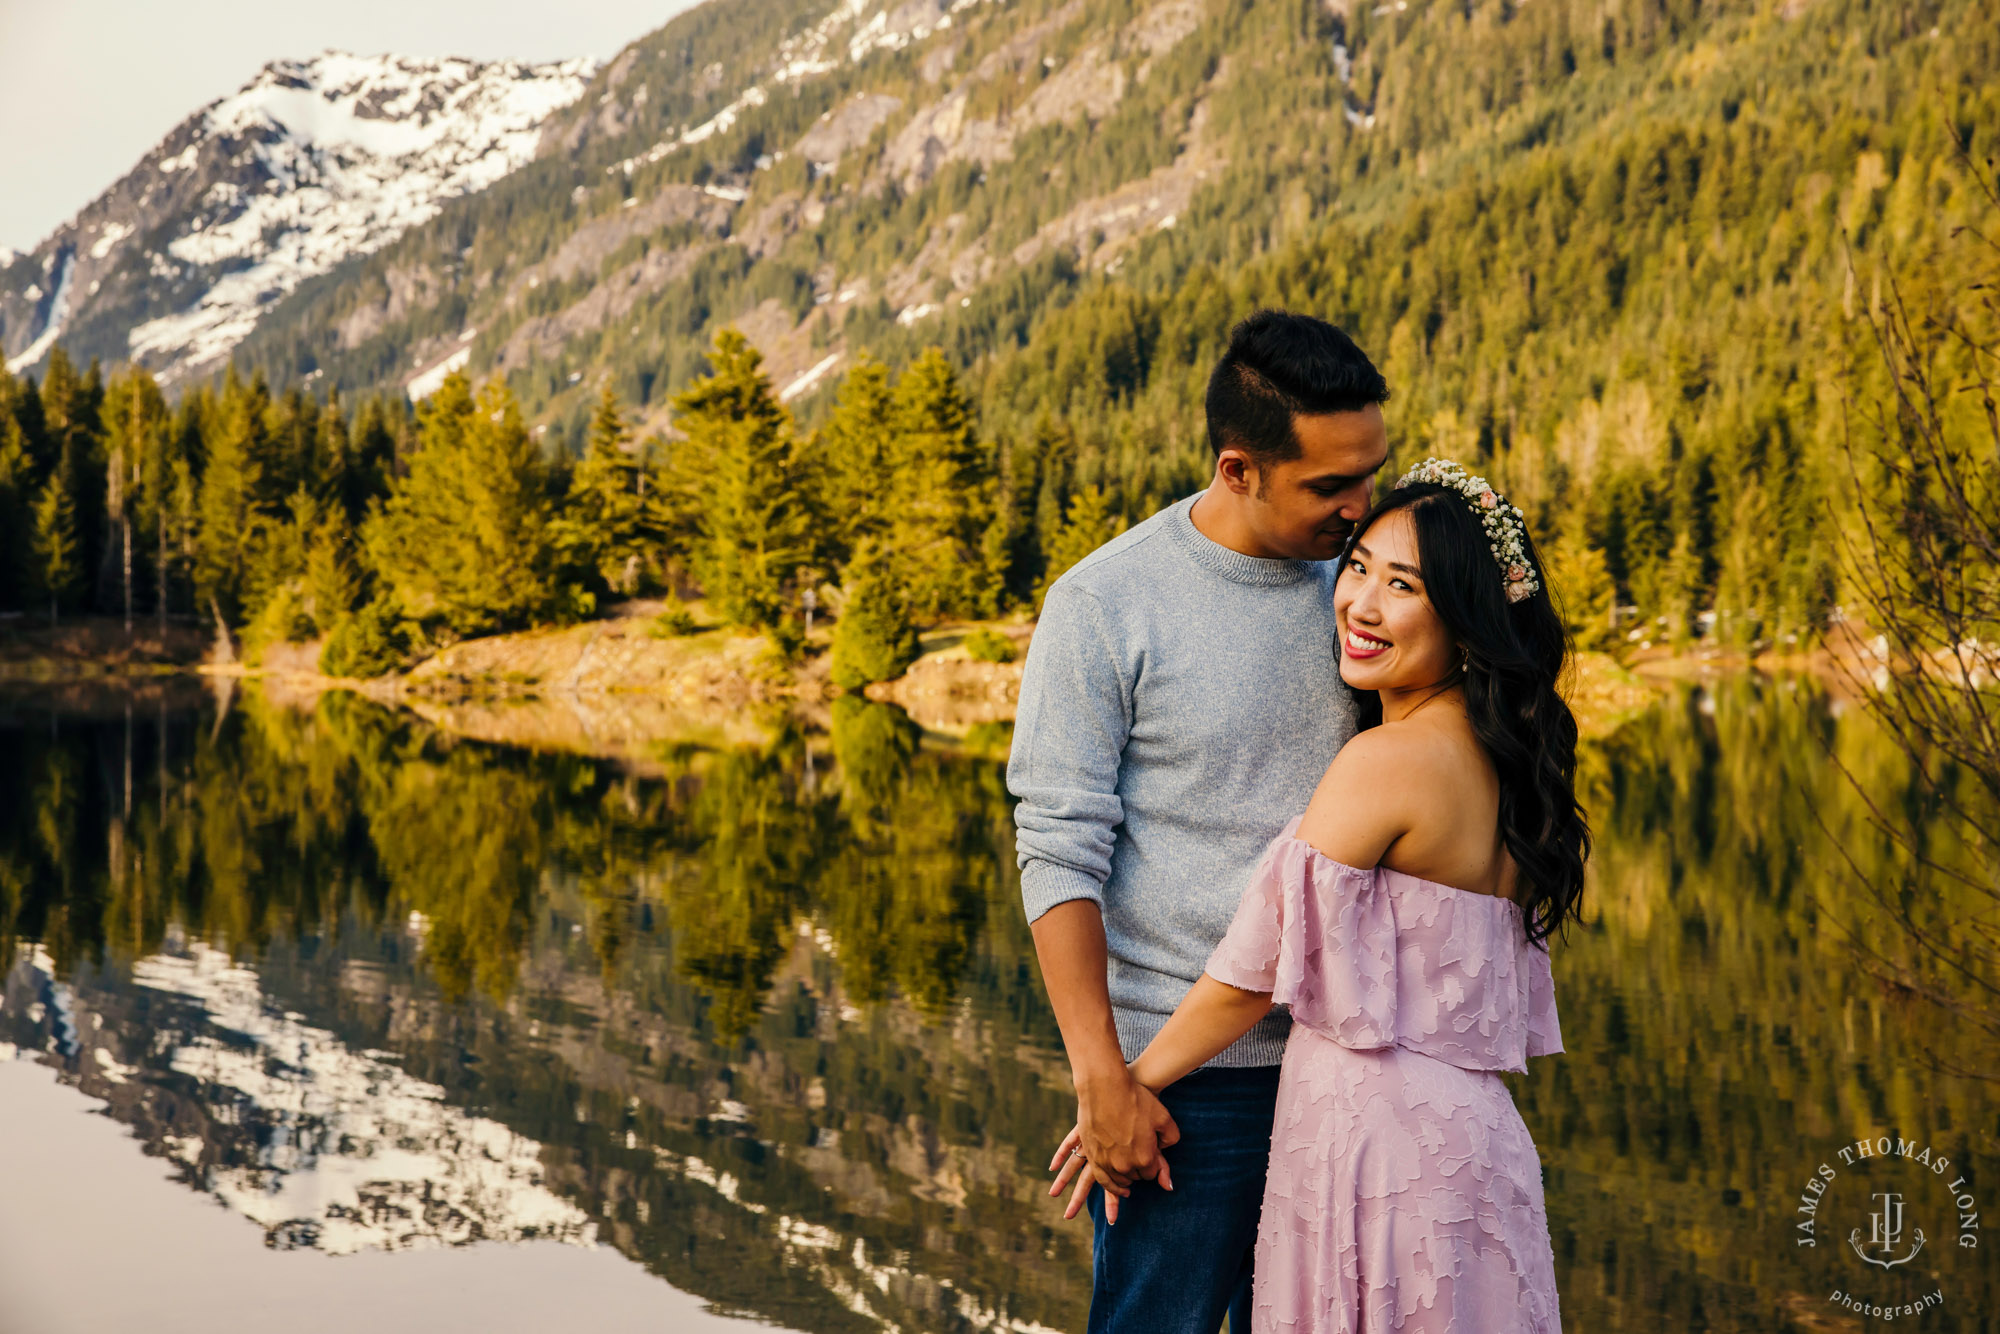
1515,653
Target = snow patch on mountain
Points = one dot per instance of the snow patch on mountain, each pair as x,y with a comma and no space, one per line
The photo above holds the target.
58,312
112,234
889,27
334,157
421,387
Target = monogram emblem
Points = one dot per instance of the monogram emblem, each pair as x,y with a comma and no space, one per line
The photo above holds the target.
1885,1233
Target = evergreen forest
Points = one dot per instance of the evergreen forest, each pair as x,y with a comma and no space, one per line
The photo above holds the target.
1620,257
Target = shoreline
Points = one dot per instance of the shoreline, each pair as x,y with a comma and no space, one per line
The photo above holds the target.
616,689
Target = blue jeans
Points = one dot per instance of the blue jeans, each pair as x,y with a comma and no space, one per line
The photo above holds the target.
1178,1260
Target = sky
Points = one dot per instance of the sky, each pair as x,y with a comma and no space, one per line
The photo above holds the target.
87,86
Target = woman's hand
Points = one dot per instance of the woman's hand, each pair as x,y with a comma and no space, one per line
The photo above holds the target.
1070,1162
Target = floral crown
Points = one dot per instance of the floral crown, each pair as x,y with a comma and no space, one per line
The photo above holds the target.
1505,532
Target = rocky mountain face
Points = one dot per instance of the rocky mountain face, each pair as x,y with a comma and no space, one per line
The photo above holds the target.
761,169
841,176
313,213
309,165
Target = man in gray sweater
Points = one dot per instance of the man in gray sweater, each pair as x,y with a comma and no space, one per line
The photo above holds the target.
1180,702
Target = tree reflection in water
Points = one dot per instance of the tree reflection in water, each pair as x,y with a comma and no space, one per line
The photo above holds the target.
767,1019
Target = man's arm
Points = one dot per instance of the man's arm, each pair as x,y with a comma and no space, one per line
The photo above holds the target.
1121,1122
1212,1015
1071,725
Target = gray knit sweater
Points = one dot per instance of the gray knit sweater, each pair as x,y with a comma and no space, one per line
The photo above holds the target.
1180,703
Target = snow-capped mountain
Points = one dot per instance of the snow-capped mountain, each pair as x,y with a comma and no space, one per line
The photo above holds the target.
311,162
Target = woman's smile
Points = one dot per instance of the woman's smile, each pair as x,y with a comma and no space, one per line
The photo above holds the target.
1361,645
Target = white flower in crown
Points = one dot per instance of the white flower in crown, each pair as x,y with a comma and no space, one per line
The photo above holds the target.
1505,532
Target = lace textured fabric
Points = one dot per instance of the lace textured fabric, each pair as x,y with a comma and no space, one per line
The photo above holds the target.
1404,1191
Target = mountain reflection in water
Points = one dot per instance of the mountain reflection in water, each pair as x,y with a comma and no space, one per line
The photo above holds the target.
766,1019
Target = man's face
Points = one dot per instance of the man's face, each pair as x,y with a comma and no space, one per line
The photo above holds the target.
1304,508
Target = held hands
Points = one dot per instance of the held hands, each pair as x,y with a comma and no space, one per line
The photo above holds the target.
1120,1131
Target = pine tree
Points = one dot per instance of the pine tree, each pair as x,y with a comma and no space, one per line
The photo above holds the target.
1088,526
340,475
607,524
274,604
1012,545
1680,589
742,464
372,640
465,538
371,457
854,453
72,406
231,528
17,514
165,515
873,640
943,500
57,566
1580,582
179,539
1745,587
332,584
135,418
24,402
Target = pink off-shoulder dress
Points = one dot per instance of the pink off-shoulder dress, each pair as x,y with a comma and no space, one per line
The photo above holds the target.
1404,1190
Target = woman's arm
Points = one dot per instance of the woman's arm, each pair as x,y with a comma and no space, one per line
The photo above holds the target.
1359,810
1211,1016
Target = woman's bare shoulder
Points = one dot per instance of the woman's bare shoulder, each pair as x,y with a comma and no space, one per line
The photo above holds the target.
1362,804
1408,743
1383,784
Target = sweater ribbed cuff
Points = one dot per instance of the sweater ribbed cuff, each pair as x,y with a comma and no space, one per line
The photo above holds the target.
1045,884
1264,1044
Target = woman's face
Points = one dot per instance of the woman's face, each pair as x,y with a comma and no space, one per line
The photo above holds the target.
1390,639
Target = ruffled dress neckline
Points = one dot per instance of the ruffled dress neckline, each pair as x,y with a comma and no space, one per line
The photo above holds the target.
1371,958
1291,835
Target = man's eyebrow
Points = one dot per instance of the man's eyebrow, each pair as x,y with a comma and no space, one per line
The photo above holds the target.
1345,477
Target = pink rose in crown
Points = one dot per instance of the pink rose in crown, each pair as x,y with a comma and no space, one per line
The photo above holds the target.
1515,572
1488,500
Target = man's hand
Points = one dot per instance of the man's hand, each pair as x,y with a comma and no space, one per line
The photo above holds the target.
1122,1127
1070,1161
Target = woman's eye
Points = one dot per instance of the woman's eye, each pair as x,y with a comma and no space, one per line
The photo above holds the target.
1355,565
1403,584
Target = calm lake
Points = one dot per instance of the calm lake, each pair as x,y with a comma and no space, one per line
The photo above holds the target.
451,1034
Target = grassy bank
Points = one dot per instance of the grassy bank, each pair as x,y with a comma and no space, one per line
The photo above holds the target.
619,685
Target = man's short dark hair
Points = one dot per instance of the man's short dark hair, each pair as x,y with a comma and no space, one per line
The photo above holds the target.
1280,365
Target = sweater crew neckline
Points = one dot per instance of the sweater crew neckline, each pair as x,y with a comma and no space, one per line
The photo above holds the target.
1233,565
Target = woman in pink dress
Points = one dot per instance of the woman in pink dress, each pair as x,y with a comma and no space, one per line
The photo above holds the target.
1404,919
